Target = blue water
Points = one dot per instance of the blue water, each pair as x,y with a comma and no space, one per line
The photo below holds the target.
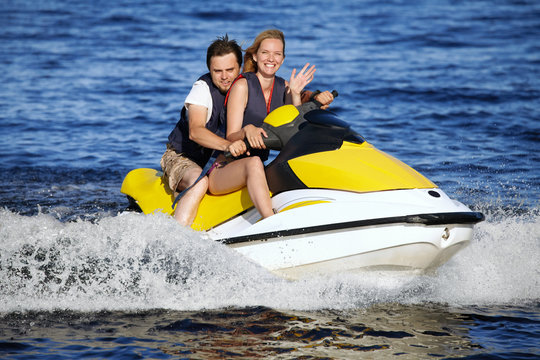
90,90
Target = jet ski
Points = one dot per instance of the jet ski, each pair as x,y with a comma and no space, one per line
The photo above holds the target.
341,204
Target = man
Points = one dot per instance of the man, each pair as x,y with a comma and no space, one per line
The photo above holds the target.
198,131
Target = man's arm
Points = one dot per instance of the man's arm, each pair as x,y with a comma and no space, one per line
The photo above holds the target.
199,133
325,97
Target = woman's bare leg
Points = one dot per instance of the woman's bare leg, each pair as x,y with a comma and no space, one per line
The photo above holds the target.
243,172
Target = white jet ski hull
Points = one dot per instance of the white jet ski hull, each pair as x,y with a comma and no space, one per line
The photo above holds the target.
330,231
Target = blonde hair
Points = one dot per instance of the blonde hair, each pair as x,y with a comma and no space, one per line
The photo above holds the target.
249,64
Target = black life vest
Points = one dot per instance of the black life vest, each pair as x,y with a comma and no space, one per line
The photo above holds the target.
256,108
179,137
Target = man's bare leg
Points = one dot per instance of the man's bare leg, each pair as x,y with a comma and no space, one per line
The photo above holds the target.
187,206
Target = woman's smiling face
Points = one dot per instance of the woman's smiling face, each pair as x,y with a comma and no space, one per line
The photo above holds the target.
269,56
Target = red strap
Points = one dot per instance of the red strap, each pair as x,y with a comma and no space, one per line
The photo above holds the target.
229,91
270,98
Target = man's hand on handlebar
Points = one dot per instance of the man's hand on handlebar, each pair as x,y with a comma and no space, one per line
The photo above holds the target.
237,148
325,98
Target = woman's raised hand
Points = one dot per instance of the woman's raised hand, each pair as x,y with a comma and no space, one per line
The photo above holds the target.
297,82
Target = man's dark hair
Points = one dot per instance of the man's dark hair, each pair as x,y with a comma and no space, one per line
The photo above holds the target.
223,46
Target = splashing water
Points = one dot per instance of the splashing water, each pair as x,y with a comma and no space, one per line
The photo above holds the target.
132,261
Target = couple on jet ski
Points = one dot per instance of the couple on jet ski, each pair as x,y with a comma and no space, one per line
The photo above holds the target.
223,110
341,204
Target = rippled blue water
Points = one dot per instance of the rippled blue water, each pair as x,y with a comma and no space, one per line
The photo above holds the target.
90,90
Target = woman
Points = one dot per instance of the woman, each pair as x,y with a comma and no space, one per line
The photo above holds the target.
254,95
258,90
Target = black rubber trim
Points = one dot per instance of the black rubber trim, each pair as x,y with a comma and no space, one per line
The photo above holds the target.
422,219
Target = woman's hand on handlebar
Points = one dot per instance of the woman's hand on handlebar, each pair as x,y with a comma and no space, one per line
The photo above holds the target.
254,136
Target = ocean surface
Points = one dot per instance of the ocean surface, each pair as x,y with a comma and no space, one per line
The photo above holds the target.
90,90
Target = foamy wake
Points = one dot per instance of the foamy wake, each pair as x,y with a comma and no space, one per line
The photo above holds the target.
134,261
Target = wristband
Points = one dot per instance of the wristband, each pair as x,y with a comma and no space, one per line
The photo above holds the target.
313,94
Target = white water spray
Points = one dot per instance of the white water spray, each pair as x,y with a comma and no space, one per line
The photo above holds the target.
133,261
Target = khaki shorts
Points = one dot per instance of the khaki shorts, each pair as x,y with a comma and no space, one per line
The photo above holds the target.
174,166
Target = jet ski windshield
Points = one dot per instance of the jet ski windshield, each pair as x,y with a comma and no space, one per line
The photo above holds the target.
330,120
325,118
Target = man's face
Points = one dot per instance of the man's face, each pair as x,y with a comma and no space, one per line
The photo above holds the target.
223,70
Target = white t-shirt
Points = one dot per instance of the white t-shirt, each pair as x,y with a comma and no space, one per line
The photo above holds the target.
200,95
